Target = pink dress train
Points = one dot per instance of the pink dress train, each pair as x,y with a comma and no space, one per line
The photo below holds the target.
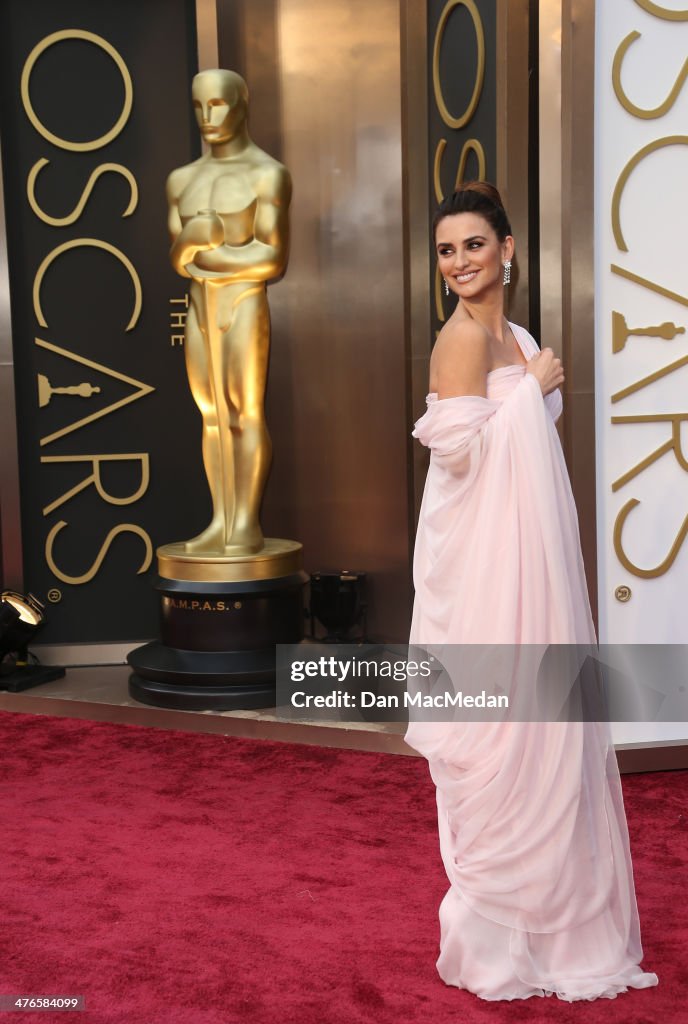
532,826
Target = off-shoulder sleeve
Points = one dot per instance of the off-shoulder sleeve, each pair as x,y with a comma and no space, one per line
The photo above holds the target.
457,430
554,403
451,425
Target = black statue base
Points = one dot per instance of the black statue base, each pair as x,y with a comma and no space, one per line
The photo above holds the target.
217,643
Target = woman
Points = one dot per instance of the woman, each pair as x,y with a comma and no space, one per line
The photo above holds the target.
531,821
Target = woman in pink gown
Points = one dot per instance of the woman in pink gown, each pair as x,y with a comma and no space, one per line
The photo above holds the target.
532,826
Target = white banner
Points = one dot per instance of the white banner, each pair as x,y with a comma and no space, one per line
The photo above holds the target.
641,289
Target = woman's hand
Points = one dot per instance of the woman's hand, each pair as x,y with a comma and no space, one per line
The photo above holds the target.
547,370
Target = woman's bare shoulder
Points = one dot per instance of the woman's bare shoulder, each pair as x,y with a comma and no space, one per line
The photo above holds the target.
461,359
466,339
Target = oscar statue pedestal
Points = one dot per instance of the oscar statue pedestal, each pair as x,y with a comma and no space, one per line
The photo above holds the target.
220,618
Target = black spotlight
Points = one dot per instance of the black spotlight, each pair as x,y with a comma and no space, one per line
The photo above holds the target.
338,602
21,616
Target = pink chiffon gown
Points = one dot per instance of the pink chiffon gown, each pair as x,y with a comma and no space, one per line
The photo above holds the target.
532,827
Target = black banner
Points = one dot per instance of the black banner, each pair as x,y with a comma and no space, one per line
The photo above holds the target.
96,112
462,114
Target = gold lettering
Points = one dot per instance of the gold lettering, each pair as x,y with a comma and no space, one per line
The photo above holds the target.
90,573
77,243
439,152
178,318
659,570
176,339
89,37
71,218
142,390
658,288
652,147
621,332
662,12
642,112
95,478
447,117
673,445
650,379
471,145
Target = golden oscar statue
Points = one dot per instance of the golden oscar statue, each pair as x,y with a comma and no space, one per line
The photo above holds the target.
227,592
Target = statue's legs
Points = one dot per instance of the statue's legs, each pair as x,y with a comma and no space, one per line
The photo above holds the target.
226,347
209,395
246,350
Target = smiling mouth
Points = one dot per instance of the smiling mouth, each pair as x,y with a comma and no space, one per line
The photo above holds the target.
465,278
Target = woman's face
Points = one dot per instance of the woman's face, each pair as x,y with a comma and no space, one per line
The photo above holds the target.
469,254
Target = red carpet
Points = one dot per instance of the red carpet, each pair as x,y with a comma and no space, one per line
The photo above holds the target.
179,878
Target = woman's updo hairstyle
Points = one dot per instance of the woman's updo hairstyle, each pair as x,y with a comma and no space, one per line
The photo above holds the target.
476,197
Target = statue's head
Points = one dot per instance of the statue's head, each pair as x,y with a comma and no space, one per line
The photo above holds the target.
220,100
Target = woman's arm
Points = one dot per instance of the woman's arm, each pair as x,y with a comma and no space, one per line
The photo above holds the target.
461,360
459,430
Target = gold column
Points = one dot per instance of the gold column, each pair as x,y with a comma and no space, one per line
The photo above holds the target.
513,142
206,34
567,49
550,176
326,85
418,335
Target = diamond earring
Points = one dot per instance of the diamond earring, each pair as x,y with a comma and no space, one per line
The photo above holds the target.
507,271
446,287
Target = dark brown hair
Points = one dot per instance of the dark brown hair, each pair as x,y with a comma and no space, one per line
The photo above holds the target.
476,197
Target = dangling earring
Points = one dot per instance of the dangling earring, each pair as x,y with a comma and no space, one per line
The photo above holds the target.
507,271
446,287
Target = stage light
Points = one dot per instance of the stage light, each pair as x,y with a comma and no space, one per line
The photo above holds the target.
338,603
21,616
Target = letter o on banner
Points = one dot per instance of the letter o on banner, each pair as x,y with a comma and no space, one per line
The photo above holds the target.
89,37
447,117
